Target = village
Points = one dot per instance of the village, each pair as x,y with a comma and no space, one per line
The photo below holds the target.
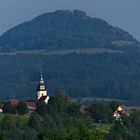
59,111
25,106
41,95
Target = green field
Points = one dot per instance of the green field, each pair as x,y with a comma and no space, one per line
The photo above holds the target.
91,99
65,51
22,118
103,128
1,116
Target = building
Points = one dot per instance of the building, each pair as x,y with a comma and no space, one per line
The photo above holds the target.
41,91
41,95
30,103
121,111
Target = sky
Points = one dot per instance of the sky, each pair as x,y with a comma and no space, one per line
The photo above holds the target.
120,13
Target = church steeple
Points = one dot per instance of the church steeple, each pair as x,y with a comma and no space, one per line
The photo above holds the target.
41,90
41,84
41,78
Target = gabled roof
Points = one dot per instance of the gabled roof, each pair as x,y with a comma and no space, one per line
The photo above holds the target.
31,105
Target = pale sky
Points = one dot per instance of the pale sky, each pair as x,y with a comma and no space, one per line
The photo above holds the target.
121,13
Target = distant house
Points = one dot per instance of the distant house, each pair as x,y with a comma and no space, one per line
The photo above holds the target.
121,111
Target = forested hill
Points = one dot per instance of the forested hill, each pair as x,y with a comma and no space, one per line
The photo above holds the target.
63,30
85,56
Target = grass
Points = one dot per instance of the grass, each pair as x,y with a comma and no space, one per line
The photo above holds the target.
64,51
120,43
22,118
83,50
1,116
103,128
91,99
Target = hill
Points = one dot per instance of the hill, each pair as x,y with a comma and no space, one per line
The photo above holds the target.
63,30
83,55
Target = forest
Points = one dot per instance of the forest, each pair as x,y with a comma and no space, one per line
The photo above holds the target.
96,75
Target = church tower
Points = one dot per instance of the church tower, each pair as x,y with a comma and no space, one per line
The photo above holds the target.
42,91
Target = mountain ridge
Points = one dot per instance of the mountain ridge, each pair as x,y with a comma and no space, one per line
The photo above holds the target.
62,29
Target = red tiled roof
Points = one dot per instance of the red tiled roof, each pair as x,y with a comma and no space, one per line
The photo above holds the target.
31,105
14,102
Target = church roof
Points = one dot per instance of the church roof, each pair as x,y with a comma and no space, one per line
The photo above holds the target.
31,105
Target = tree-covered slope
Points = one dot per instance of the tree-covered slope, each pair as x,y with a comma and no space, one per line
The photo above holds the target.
84,56
81,75
62,30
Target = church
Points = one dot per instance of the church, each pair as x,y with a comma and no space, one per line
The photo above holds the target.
41,95
41,91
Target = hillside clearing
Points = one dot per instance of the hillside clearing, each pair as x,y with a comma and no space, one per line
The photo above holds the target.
65,51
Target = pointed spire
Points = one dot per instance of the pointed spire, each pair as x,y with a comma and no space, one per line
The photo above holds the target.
41,78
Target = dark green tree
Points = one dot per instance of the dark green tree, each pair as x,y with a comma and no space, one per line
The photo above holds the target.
121,132
35,121
42,108
8,108
114,105
22,108
101,112
8,122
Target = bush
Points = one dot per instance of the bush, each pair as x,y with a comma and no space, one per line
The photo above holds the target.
7,108
22,108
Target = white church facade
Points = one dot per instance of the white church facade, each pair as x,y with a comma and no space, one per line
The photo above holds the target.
42,91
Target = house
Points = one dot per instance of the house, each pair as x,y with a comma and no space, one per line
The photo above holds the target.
120,111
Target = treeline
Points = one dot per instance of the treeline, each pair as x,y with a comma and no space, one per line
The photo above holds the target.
20,109
62,120
81,75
